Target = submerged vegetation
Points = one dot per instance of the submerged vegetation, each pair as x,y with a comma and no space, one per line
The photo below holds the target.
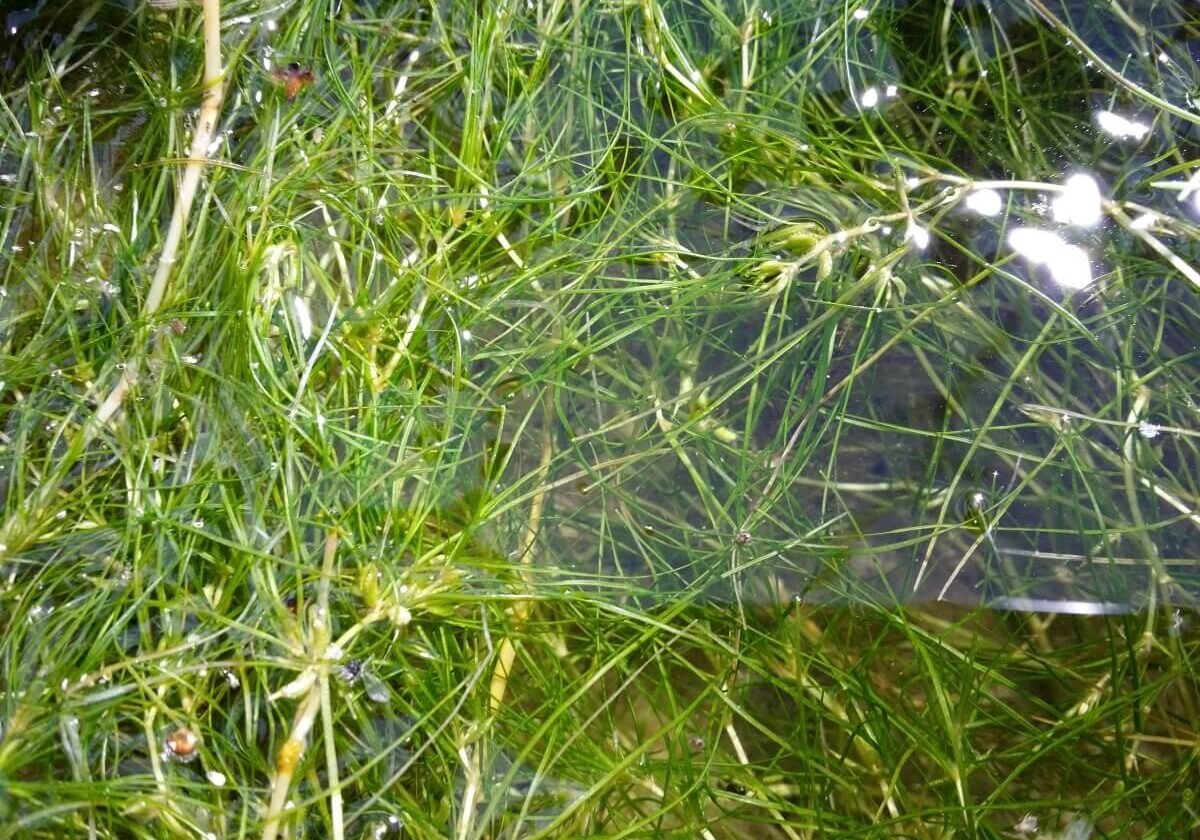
623,418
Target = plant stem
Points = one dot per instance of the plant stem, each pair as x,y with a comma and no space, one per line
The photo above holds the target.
315,699
206,129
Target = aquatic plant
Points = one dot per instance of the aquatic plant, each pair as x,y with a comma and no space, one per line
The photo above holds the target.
646,418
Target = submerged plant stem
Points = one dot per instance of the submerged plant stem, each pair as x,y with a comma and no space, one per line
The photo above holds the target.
206,129
507,651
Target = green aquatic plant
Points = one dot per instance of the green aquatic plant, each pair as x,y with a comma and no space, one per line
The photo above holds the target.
560,419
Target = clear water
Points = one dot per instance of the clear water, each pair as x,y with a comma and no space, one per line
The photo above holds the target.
1008,422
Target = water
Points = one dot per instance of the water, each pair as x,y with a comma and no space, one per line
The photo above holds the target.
1000,418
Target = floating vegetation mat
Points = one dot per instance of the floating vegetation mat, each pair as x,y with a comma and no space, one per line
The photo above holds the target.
623,418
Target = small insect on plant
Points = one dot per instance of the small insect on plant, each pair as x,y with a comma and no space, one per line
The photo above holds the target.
294,79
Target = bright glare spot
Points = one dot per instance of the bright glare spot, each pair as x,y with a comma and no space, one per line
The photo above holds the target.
1068,265
986,202
1148,430
861,14
110,227
917,235
1164,58
272,25
1144,222
891,91
1079,203
466,335
1196,201
1119,127
303,317
870,97
216,778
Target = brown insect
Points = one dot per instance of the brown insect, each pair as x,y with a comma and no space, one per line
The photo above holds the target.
294,79
181,744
